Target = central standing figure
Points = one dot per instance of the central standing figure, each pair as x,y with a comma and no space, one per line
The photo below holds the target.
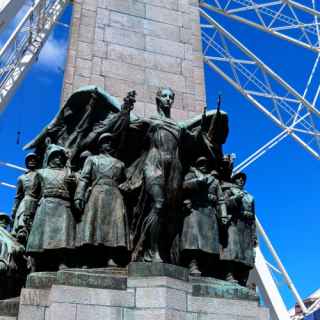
162,174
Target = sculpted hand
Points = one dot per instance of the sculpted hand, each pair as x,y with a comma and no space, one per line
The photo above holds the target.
203,181
70,179
241,195
124,187
3,267
212,197
224,220
129,101
79,204
248,215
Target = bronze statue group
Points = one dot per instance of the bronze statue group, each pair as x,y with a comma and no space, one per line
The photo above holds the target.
105,188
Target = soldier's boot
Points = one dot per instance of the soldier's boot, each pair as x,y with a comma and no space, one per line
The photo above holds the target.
230,278
194,268
111,263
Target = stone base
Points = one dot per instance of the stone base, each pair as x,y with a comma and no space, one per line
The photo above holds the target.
215,288
163,293
9,307
104,278
158,269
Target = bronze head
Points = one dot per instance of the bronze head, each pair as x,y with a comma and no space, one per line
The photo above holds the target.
31,161
105,143
164,100
57,159
4,220
239,179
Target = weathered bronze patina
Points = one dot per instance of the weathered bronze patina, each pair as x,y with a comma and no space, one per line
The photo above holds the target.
52,238
25,203
115,187
204,205
239,236
12,261
103,227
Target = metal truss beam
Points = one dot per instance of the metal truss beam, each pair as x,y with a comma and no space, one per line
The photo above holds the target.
7,185
278,138
262,86
25,43
286,19
8,10
12,166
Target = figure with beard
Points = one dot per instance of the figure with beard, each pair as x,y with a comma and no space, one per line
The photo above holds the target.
25,204
51,241
103,233
204,205
239,237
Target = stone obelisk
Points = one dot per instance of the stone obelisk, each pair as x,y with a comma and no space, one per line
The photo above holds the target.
140,45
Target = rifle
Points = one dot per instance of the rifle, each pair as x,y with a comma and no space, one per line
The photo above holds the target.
204,117
215,122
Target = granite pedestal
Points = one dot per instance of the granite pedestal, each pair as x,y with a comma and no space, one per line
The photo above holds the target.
141,292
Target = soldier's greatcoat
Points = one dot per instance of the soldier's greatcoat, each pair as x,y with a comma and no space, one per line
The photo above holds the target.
25,203
54,225
104,221
200,227
239,238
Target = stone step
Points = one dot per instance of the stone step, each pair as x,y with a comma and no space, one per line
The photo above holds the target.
9,308
99,278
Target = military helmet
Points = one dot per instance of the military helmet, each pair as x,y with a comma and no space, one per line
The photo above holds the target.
105,137
238,175
4,216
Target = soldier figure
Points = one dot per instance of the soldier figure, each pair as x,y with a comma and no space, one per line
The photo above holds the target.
200,235
12,262
25,204
239,237
51,241
103,233
4,246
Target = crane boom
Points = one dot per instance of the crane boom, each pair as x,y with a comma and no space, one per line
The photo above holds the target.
8,10
25,43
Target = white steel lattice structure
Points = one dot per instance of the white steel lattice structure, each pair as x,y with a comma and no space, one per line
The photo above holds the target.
255,80
8,10
225,54
25,43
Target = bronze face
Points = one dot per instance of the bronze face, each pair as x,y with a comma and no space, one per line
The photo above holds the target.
165,99
57,160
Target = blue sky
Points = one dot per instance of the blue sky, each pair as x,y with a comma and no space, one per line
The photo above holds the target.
284,181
